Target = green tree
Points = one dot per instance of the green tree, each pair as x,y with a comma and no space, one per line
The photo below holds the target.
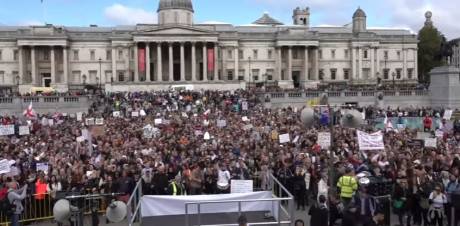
430,56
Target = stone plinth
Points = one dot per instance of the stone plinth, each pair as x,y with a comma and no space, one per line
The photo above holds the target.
445,87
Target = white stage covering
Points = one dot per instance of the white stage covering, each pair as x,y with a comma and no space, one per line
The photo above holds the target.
152,205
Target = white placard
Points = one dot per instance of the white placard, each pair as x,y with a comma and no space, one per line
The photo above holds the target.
248,127
241,186
372,141
90,121
6,130
221,123
142,113
439,133
431,142
41,166
207,136
51,122
79,116
116,114
245,118
135,114
85,134
244,105
44,121
324,140
448,114
4,166
99,121
184,115
148,131
158,121
284,138
296,139
24,130
80,139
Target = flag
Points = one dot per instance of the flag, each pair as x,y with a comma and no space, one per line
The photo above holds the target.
388,124
29,112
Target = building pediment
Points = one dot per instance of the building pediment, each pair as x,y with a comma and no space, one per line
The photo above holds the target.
176,30
175,34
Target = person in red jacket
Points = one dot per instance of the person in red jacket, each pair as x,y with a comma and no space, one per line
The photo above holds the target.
427,122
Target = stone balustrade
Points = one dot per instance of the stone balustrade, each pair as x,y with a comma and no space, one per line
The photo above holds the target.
44,104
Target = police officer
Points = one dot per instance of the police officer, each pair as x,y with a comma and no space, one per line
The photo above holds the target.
347,185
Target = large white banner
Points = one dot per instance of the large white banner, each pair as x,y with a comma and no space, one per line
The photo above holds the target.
241,186
372,141
324,140
152,205
6,130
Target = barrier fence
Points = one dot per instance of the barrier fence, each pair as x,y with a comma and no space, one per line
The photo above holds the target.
39,207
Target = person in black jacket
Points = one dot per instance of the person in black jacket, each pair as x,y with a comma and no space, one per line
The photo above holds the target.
160,182
299,188
319,213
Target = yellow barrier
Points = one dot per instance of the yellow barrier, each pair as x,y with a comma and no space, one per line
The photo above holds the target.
42,209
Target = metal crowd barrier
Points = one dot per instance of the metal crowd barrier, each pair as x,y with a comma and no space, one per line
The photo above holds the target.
42,209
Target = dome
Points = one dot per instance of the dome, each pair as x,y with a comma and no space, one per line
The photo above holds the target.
175,4
359,13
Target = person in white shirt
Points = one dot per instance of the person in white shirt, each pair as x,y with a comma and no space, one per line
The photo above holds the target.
223,180
437,200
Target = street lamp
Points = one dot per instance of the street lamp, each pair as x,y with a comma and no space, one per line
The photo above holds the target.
393,75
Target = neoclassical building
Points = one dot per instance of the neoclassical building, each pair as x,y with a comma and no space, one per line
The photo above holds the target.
177,51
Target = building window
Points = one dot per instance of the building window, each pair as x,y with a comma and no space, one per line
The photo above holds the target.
255,54
2,77
333,54
230,54
46,55
385,55
241,74
346,52
230,75
75,55
320,53
333,74
321,74
295,54
270,54
121,76
241,54
398,73
15,55
255,74
1,55
269,74
366,54
108,55
92,55
346,74
399,55
386,73
410,73
120,54
15,75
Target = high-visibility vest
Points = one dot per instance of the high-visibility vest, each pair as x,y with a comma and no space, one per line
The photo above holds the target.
347,185
40,190
174,188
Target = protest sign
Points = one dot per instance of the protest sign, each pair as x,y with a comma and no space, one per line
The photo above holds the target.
296,139
372,141
42,166
135,114
439,133
142,113
245,118
284,138
423,135
6,130
44,121
324,140
431,142
241,186
99,121
24,130
79,116
244,105
158,121
448,114
198,132
4,166
80,139
207,136
90,122
51,122
248,127
221,123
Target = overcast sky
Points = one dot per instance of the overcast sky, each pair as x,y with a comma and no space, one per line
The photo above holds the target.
384,13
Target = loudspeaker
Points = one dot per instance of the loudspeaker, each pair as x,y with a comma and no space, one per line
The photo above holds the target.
116,211
307,116
61,210
352,119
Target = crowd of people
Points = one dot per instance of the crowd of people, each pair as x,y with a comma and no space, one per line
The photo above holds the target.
198,142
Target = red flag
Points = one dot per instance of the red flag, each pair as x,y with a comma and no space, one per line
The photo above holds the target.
29,112
141,60
210,59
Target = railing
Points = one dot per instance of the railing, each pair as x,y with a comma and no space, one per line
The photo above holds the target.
368,93
8,100
351,94
51,99
295,95
134,205
31,99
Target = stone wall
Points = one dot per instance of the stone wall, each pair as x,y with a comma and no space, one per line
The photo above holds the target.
44,105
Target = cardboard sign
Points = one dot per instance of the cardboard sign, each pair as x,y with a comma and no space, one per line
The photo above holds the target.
6,130
41,166
79,116
4,166
241,186
284,138
24,130
135,114
116,114
221,123
372,141
415,143
431,142
90,121
324,140
99,121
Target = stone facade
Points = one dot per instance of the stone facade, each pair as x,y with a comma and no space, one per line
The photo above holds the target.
178,51
455,61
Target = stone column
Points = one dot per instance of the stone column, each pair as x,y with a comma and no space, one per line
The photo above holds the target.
114,64
194,79
377,63
316,67
354,70
372,64
65,65
305,65
21,64
136,62
223,50
171,63
53,65
159,63
289,69
416,63
216,62
205,62
360,63
237,66
404,74
279,63
33,66
147,61
182,62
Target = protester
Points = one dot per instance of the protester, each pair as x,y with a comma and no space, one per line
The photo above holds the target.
436,212
15,197
319,212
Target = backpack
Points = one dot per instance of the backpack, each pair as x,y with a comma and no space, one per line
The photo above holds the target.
6,207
